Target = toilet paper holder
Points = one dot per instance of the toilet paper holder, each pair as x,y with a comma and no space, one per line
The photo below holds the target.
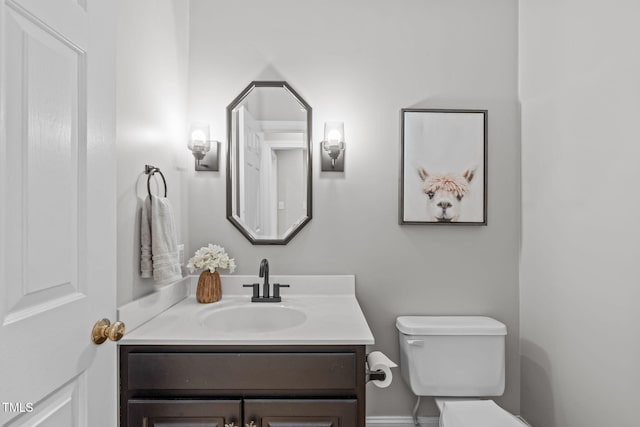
378,369
375,375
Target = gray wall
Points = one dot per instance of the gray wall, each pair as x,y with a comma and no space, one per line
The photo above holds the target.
151,82
361,62
580,322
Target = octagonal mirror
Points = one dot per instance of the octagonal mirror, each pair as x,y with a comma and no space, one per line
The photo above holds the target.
269,162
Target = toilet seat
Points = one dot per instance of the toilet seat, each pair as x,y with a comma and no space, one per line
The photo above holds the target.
474,413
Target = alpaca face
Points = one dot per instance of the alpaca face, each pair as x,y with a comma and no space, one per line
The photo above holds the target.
445,192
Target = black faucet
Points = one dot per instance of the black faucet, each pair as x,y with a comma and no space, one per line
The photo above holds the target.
264,272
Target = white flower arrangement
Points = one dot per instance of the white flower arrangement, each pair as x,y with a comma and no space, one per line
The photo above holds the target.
211,257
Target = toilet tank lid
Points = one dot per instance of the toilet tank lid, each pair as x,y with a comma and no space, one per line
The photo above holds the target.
450,325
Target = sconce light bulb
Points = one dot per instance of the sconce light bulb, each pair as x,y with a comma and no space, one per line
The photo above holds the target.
334,136
198,135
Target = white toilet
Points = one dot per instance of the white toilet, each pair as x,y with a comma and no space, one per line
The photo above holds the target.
458,360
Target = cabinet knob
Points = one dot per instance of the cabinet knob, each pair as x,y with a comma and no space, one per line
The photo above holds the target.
231,424
250,424
103,329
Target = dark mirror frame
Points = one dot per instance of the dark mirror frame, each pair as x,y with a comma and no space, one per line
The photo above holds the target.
230,108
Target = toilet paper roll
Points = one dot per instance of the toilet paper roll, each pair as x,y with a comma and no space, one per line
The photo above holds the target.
379,361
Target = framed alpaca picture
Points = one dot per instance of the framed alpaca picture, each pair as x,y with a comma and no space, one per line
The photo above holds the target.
443,171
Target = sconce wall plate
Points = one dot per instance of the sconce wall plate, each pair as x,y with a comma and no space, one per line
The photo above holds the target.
210,161
332,148
329,164
204,150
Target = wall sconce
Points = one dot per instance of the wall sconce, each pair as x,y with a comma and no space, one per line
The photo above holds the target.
332,148
204,150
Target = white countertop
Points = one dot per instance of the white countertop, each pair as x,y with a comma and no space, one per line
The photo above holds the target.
331,311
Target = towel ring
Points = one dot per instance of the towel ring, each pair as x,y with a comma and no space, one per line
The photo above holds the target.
151,170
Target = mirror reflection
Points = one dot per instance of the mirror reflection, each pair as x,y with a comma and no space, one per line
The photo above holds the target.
269,162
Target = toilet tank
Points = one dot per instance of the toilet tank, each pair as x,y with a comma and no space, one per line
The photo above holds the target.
452,355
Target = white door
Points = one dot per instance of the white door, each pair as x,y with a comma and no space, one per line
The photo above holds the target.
57,212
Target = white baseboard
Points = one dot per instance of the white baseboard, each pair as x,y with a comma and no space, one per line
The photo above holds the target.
401,421
408,421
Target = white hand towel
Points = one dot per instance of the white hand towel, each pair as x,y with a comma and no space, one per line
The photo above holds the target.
163,241
146,265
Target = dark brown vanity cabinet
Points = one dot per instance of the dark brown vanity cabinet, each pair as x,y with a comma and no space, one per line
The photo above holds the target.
210,386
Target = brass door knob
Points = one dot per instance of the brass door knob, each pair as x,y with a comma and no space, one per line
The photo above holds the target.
103,329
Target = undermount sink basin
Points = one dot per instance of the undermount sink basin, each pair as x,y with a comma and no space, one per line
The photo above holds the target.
254,318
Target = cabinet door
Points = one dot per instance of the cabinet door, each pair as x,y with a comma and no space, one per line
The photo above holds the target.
183,413
301,412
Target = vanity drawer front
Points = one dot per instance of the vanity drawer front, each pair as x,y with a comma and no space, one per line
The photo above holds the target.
242,371
177,413
301,412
